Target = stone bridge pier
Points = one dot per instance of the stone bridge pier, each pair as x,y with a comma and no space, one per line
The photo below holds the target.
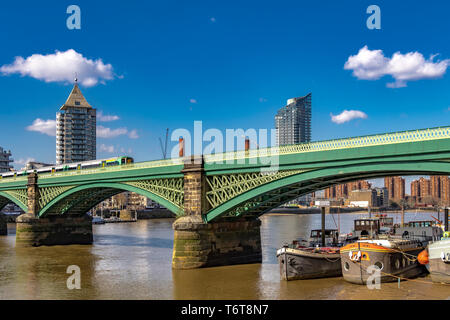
53,230
224,242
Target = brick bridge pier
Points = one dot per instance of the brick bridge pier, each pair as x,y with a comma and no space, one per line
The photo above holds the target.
224,242
32,230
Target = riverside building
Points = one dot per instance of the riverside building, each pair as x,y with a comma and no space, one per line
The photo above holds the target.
75,129
5,160
293,122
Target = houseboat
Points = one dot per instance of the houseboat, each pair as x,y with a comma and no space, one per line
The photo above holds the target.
395,257
439,259
307,260
394,253
436,257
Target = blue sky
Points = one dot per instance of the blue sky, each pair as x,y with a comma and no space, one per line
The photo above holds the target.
231,64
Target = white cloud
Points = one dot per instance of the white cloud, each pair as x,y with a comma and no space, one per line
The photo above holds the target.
123,151
133,134
105,148
372,65
193,101
106,118
348,115
47,127
103,132
22,161
61,67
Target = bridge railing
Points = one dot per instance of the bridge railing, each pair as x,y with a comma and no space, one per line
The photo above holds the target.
355,142
346,143
10,179
132,166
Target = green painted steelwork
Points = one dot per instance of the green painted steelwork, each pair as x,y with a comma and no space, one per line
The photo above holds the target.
15,196
292,186
88,195
244,182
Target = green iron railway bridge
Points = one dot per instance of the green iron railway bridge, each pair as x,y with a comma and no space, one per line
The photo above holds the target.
217,197
242,183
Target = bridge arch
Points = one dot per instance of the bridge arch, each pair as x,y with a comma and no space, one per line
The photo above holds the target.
263,198
86,196
6,198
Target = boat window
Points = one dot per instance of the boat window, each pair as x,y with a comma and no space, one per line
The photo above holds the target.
315,233
379,265
346,266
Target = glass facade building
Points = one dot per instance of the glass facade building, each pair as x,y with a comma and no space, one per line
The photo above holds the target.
76,129
293,122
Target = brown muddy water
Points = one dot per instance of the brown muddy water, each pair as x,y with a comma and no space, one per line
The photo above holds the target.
133,261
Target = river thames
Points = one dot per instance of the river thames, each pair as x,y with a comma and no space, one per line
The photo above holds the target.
133,261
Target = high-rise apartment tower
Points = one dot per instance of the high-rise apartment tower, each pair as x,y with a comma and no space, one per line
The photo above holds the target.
75,129
293,122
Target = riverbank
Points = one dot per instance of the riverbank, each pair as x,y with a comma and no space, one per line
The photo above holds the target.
141,215
335,210
155,214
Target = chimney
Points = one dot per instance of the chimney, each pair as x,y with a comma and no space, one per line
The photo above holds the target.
181,147
247,144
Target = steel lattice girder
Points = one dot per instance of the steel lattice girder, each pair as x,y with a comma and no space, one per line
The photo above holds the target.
79,199
17,196
47,194
292,186
225,187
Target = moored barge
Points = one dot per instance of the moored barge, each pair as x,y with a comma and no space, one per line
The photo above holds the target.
309,263
308,260
437,259
394,257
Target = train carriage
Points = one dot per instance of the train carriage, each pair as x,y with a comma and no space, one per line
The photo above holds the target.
100,163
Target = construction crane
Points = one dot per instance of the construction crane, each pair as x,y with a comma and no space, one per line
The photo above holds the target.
164,148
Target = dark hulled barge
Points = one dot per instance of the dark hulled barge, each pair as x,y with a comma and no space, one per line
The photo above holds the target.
301,260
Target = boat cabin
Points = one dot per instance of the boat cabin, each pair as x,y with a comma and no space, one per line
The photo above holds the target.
331,237
386,222
420,230
420,224
366,227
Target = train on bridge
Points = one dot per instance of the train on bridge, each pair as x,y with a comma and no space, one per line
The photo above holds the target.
118,161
